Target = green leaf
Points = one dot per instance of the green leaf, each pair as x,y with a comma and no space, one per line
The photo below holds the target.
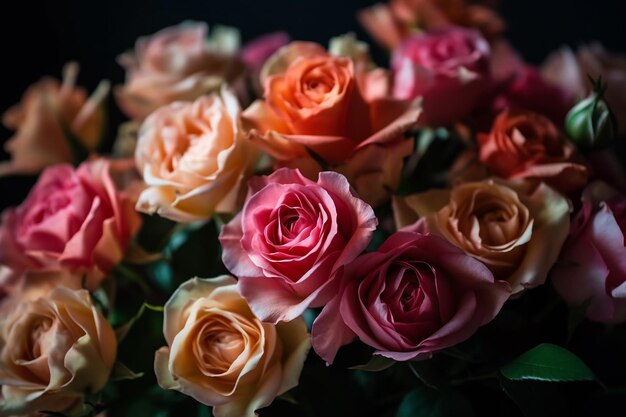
375,364
547,362
121,372
425,402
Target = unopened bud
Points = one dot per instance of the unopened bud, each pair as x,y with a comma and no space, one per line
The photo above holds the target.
591,124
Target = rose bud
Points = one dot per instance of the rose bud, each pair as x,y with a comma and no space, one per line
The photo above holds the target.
591,123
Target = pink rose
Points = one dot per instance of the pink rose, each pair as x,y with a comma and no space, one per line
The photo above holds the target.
291,238
177,64
448,67
76,219
256,52
221,354
592,268
414,296
389,23
47,114
571,70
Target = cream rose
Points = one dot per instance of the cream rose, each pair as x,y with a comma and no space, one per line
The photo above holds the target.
194,158
517,229
53,351
221,354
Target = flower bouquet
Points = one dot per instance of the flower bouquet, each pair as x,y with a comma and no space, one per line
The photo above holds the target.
286,228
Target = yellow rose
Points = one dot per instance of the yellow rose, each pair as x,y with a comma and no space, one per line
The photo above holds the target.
194,158
221,354
53,351
515,228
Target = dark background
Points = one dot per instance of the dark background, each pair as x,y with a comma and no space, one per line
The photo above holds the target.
39,37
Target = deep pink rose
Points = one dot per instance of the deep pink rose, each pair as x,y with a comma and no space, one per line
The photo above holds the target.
448,67
75,219
257,51
592,269
529,90
291,238
414,296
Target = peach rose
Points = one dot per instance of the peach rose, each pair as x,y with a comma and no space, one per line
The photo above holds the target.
327,105
221,354
81,220
178,63
515,228
45,118
528,145
194,158
571,70
53,351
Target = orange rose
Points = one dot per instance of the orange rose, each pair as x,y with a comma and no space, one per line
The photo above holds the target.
221,354
48,113
316,102
528,145
515,228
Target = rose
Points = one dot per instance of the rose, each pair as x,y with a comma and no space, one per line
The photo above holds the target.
517,229
193,157
53,351
290,240
438,65
415,295
591,271
221,354
571,70
528,145
177,64
330,106
76,219
47,115
529,90
390,24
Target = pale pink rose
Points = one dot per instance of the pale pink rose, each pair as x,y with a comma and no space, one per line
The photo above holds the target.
47,115
571,71
417,294
177,63
54,351
194,158
291,239
448,67
516,229
333,107
221,354
79,219
528,145
591,271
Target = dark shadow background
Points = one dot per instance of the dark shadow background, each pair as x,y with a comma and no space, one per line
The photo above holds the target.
38,37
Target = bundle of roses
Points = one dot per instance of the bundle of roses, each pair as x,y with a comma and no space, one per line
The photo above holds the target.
270,198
